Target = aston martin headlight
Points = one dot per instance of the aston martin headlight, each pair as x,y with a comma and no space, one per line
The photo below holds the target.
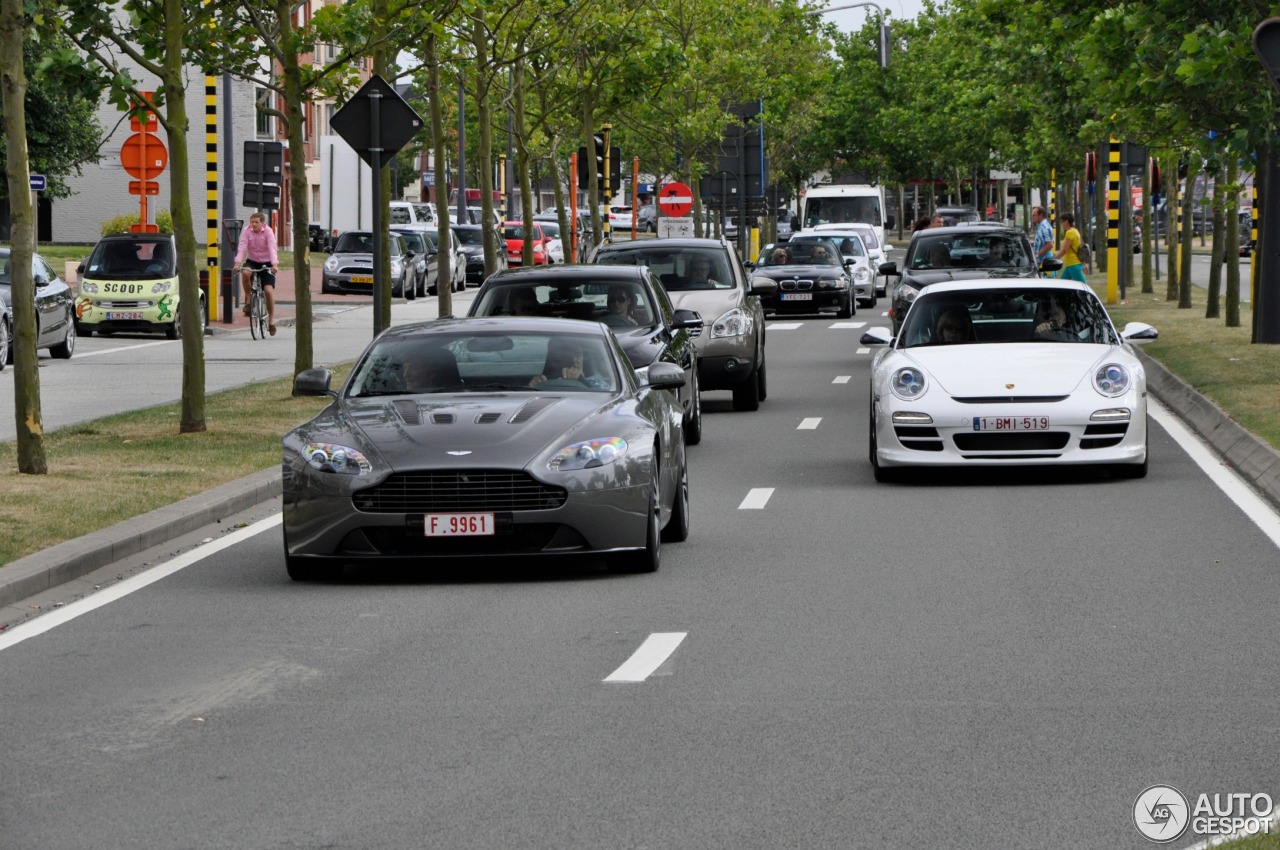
733,323
328,457
908,383
908,292
90,287
331,264
1112,380
161,288
588,455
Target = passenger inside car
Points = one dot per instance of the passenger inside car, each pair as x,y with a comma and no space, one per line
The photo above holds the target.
954,326
522,301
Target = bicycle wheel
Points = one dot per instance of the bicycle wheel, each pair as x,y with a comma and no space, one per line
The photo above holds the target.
258,315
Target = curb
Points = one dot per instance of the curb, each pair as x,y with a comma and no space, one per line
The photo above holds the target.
72,559
1251,458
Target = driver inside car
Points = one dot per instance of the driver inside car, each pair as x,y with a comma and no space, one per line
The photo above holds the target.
565,363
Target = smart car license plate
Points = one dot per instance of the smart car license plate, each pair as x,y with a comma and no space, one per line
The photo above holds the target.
458,525
1011,423
118,316
362,278
797,296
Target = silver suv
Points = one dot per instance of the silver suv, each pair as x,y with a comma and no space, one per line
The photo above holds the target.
731,347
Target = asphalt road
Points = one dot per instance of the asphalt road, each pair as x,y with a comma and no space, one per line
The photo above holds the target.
1005,661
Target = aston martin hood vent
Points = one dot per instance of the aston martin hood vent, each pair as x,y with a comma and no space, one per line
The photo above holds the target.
531,409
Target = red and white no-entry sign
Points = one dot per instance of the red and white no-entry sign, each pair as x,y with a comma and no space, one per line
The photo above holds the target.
675,200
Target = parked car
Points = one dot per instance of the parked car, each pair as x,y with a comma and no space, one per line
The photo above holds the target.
620,218
647,218
554,245
316,239
650,329
476,438
515,233
972,251
55,308
349,269
471,242
130,283
6,333
411,212
785,218
856,258
457,262
999,372
731,350
794,278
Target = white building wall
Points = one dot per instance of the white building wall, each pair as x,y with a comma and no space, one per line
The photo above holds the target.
102,191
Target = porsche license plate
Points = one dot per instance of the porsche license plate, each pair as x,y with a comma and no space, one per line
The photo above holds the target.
458,525
797,296
1011,423
118,316
362,278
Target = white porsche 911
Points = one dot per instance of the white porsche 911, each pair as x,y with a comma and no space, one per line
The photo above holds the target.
1008,372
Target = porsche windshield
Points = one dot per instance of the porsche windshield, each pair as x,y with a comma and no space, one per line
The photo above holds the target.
486,362
1042,314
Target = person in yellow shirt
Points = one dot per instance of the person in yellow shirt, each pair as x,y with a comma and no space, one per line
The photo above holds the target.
1069,253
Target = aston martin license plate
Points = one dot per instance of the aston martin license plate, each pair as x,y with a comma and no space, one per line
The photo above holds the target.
797,296
1011,423
362,278
458,525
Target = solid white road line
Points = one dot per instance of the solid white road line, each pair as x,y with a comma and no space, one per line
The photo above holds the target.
67,613
809,424
756,499
842,379
83,354
784,326
1253,505
847,325
656,649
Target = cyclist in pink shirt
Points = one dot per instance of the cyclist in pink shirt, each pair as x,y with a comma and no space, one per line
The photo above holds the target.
257,250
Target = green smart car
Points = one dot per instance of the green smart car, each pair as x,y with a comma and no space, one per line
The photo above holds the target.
130,283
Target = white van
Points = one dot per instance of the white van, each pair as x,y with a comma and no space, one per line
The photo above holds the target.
846,203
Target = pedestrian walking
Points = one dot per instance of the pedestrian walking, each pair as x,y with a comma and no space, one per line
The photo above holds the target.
1069,253
1042,246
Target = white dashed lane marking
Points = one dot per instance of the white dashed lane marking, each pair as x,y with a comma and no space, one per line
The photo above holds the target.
864,350
784,326
756,499
809,424
842,379
656,649
840,326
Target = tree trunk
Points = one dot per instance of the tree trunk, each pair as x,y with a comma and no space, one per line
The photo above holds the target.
444,257
484,122
303,355
1188,237
1231,248
520,133
175,94
1219,237
1148,230
26,380
1171,234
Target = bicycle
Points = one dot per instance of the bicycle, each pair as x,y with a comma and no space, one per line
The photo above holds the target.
257,304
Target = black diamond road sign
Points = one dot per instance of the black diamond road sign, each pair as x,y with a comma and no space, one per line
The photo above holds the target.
397,122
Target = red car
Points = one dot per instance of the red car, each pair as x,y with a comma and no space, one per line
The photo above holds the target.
515,232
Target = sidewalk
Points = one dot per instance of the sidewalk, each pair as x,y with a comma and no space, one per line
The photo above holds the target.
286,301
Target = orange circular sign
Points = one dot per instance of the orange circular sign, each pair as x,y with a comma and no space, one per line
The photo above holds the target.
144,156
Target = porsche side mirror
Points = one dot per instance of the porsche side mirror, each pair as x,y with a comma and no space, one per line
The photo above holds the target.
877,336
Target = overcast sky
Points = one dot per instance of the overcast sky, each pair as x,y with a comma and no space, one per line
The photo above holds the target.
852,19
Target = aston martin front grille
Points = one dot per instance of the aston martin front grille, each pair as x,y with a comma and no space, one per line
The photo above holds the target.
432,492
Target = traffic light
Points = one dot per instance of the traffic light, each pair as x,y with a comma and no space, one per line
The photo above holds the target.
615,163
1266,43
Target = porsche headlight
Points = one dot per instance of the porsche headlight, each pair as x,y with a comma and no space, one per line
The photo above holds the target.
908,292
89,287
908,383
161,288
328,457
1112,380
588,455
733,323
331,264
